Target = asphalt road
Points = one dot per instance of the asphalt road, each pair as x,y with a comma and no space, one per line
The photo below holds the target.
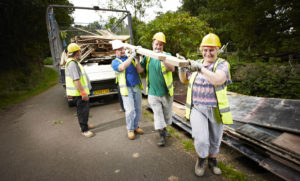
40,140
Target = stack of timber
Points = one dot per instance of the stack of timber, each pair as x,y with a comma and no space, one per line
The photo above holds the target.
97,45
265,129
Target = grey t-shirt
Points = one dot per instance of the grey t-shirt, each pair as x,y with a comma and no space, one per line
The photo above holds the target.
75,72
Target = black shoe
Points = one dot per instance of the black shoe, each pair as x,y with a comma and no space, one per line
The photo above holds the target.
199,167
162,138
213,165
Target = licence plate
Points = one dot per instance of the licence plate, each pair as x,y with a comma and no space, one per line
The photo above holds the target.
103,91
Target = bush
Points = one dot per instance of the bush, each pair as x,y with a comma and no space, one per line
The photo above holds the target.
265,80
48,61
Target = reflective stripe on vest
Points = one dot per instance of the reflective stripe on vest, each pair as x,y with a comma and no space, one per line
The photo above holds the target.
121,79
71,88
222,112
166,74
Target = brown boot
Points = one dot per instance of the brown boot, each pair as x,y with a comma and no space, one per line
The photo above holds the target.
131,135
139,131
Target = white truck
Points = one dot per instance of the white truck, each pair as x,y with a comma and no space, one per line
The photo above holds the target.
97,53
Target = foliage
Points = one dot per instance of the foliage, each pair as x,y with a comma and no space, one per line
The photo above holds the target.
183,32
265,80
137,6
26,34
253,27
48,61
16,86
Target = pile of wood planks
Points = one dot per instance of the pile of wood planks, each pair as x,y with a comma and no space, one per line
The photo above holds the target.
265,129
97,45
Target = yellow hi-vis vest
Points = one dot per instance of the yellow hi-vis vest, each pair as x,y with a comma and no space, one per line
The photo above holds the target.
222,112
71,88
166,74
121,79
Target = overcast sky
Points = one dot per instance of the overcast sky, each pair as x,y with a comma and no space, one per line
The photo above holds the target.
87,16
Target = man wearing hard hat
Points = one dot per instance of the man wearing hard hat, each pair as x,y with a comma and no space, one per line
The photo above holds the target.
159,87
130,85
78,86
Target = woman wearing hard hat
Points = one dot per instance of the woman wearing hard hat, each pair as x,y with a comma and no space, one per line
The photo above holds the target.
207,104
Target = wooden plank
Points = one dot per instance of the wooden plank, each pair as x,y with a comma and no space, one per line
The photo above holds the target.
89,51
117,37
179,109
273,149
160,56
288,141
256,133
284,161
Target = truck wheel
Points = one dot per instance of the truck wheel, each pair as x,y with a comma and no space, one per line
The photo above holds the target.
71,103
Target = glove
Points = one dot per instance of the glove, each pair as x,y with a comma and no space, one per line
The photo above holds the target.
195,66
133,51
84,95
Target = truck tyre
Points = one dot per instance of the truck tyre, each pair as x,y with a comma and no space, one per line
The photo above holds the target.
71,103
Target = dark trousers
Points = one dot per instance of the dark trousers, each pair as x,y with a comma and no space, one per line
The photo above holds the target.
83,109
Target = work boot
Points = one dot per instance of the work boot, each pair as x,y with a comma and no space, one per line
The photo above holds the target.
87,134
167,133
212,164
199,167
139,131
162,138
131,135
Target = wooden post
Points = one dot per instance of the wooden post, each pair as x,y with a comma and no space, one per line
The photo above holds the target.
160,56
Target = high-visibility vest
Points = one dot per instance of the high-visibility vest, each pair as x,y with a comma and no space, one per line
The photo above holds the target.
71,88
222,112
121,79
168,77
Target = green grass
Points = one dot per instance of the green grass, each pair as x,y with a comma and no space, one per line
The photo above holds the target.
188,144
46,79
229,172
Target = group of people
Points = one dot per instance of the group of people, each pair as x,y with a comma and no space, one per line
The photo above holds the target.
207,105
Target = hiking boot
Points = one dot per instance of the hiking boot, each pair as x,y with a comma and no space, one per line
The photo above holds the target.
162,138
87,134
212,164
91,126
199,167
139,131
131,135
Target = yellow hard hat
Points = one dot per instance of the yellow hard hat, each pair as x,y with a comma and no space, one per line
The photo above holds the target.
159,36
73,47
211,39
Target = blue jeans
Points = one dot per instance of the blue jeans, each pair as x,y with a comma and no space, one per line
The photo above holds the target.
132,104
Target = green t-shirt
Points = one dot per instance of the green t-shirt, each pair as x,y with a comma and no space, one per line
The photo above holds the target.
157,85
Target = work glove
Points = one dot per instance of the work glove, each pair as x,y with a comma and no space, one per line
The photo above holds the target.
84,95
133,51
195,65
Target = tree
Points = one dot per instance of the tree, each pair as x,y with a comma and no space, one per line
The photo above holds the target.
183,32
25,29
137,6
256,27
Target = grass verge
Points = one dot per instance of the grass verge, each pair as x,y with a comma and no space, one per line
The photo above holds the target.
47,79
